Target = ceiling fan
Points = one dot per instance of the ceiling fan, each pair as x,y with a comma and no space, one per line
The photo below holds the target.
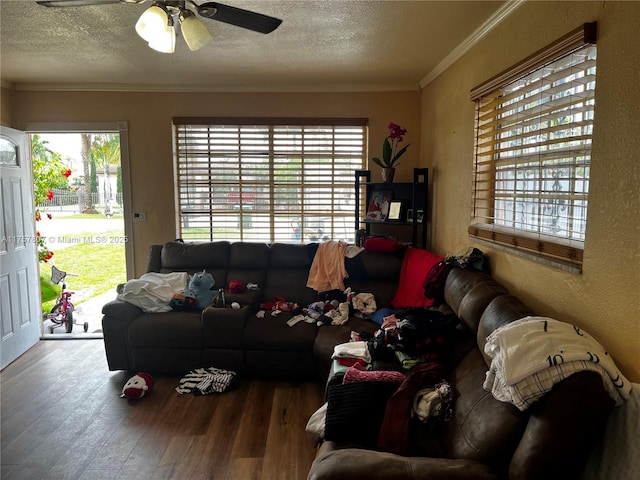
156,24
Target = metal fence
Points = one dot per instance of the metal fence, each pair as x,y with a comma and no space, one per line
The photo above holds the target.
74,201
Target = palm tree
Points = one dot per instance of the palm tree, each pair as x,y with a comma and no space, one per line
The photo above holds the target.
85,152
105,148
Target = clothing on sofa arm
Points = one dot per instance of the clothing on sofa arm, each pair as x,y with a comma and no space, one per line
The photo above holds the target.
530,355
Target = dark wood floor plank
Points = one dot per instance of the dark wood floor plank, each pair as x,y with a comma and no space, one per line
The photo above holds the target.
27,424
251,436
284,440
245,469
311,398
62,417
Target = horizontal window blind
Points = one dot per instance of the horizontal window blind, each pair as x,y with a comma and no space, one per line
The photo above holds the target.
533,154
285,180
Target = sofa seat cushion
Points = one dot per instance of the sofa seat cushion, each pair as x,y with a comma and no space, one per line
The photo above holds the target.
332,335
170,329
273,333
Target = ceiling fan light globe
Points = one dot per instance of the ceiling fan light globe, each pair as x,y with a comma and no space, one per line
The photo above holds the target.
151,23
195,33
164,42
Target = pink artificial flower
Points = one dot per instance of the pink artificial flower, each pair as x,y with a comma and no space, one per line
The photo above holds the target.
396,132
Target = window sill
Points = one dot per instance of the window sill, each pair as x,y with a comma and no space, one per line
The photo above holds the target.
563,257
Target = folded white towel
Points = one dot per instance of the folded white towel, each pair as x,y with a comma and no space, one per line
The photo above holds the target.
352,350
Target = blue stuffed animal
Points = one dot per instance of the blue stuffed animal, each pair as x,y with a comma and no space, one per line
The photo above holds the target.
201,284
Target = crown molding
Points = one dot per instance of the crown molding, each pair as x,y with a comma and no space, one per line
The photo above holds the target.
139,88
492,22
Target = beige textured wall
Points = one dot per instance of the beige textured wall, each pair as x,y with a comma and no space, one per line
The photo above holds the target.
605,299
150,137
5,107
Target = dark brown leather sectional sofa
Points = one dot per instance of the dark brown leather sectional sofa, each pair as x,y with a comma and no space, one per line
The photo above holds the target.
486,439
176,342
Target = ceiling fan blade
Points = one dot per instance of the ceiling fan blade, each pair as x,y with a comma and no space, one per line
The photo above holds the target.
82,3
239,17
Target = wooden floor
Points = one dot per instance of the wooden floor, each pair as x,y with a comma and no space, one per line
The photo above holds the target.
62,417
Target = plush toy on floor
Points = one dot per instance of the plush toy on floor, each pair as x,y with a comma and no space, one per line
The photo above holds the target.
201,284
137,386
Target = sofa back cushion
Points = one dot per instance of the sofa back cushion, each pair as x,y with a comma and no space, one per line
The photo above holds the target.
374,272
288,273
483,428
550,439
563,428
459,282
502,310
194,257
248,263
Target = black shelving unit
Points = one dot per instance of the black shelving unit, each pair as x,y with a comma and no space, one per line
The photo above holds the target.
412,195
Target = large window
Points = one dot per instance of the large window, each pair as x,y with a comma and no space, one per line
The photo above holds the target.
284,180
534,127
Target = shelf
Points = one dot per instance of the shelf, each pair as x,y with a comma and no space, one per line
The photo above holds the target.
388,222
412,195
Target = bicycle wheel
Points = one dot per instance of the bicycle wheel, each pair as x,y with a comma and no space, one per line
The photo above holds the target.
68,320
56,314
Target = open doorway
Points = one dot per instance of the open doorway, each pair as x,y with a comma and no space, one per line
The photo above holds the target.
81,227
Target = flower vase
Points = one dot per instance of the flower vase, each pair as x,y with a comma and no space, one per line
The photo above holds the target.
387,175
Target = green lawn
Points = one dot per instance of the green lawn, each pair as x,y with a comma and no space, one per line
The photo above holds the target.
99,266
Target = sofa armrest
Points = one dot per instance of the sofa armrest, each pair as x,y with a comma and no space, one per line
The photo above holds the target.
355,464
121,310
251,298
154,259
563,428
117,316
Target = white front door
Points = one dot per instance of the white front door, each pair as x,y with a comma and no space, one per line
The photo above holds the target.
20,305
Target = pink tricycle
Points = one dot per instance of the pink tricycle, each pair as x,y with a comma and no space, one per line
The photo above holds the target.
62,312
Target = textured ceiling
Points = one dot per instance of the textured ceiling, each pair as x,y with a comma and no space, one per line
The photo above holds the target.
321,45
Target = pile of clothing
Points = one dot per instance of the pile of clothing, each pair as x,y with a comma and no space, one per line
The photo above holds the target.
413,336
335,309
374,408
